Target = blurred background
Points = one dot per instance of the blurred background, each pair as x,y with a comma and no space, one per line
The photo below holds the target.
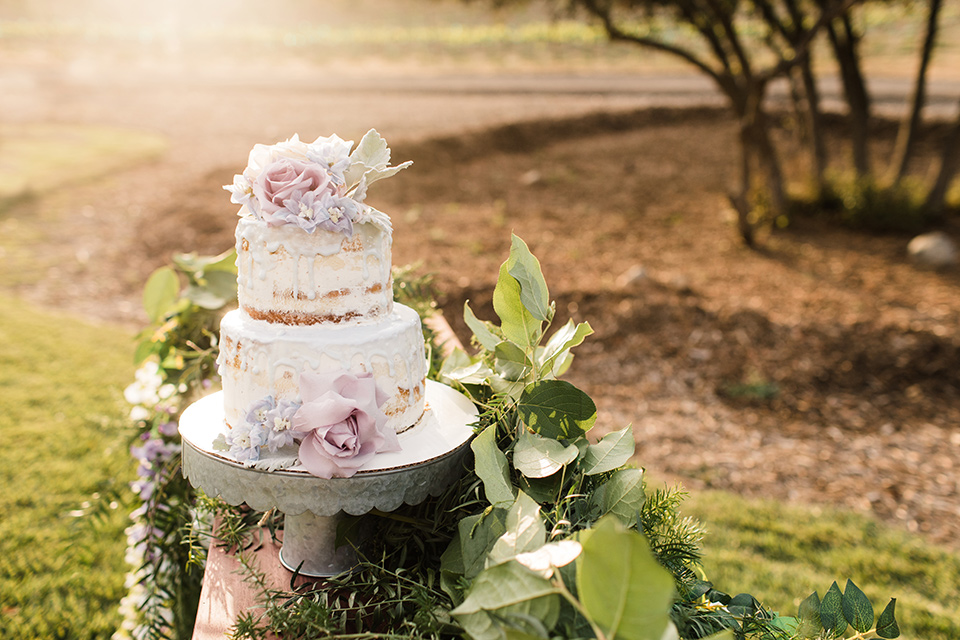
817,368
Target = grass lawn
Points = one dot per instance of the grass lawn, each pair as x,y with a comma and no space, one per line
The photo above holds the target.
65,439
782,553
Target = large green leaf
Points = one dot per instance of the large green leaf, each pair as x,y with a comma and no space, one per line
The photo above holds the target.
517,323
620,584
503,585
612,451
831,611
525,268
537,457
857,608
556,409
484,332
161,293
492,467
525,531
623,495
887,626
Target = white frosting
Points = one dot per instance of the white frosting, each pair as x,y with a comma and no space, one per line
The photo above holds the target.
260,358
288,275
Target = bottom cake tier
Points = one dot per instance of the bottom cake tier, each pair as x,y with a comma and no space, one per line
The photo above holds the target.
260,359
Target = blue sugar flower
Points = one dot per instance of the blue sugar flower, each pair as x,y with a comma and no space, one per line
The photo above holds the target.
278,425
257,415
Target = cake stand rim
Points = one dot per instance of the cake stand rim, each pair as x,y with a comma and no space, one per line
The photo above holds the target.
432,389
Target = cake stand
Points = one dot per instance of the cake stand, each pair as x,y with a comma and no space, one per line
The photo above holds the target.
428,462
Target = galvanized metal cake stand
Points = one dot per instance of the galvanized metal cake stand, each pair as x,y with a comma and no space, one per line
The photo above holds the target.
428,463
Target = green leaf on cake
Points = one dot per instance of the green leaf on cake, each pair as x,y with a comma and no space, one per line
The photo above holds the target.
611,452
537,457
620,584
161,293
492,467
556,409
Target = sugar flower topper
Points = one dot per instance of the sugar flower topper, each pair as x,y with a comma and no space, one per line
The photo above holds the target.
267,424
316,185
341,423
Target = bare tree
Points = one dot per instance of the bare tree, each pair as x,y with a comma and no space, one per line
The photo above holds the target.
741,71
906,137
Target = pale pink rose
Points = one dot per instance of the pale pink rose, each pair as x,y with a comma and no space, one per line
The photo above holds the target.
341,423
287,179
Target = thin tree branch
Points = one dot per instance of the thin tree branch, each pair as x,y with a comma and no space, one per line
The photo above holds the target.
617,34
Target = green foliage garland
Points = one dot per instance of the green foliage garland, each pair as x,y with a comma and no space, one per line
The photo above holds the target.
547,534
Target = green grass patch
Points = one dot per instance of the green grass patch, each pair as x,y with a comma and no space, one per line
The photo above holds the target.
34,157
782,553
65,439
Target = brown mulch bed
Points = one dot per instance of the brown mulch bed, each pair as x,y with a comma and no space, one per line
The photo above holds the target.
823,367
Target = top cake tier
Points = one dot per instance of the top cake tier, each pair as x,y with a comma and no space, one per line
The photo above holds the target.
289,276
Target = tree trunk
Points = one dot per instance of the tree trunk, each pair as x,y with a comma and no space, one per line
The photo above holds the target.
949,167
844,42
906,136
760,168
817,144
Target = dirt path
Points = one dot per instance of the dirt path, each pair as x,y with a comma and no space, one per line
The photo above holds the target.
821,369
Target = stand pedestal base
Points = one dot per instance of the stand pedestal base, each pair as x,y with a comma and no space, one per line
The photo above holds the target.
309,546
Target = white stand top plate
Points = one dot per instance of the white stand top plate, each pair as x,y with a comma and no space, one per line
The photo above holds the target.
426,464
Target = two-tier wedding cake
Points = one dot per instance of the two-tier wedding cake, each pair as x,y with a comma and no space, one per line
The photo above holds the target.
320,367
